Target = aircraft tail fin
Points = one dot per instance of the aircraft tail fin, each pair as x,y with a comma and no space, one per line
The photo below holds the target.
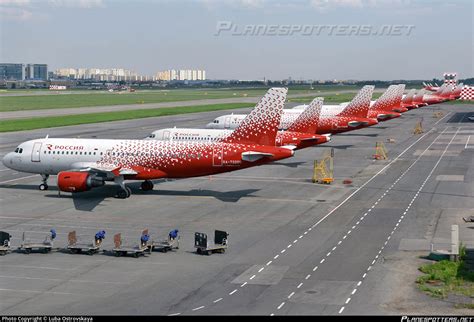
359,106
261,125
388,99
307,122
408,99
447,91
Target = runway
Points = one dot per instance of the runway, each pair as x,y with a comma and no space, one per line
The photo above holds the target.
295,247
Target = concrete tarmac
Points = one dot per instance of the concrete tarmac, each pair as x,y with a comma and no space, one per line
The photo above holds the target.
294,247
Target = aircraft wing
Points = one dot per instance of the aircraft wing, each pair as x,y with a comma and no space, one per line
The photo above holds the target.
107,170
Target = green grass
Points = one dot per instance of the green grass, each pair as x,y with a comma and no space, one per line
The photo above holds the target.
445,277
56,121
460,102
102,98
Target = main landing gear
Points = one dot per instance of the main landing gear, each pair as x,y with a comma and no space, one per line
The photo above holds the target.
44,186
125,192
147,185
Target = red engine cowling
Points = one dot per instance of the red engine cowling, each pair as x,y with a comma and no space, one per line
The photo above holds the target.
78,181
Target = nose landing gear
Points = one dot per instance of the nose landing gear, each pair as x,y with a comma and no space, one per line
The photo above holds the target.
44,186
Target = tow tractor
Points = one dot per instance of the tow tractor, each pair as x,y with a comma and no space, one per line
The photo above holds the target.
4,242
202,246
45,246
77,247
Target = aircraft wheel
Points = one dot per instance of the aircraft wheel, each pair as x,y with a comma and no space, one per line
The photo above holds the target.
123,194
129,191
43,187
147,185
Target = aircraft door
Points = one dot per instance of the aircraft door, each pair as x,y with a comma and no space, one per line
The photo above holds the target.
166,135
227,122
35,154
217,155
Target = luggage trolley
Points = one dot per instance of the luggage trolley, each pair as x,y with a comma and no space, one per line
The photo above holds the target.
169,244
220,243
4,242
135,251
76,247
45,246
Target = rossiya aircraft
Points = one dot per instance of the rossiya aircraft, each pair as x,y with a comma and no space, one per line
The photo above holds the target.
382,108
83,164
407,99
300,134
333,118
441,95
430,87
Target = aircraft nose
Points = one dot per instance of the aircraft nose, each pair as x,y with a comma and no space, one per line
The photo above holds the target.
210,125
8,160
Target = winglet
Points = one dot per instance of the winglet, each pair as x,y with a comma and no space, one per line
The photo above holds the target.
307,122
359,106
261,125
387,101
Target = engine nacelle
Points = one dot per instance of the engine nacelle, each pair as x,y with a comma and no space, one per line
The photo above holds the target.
78,181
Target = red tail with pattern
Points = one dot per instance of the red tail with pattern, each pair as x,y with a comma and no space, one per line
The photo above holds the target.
261,125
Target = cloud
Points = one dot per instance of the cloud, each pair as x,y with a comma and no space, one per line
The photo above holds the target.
14,2
84,4
245,4
15,14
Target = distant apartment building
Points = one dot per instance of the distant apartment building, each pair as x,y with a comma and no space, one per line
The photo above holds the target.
20,72
102,74
181,74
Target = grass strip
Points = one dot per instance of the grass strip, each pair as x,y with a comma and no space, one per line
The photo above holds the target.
56,121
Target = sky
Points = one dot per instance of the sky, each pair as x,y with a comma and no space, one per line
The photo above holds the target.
151,35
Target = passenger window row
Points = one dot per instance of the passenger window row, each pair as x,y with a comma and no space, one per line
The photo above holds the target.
71,152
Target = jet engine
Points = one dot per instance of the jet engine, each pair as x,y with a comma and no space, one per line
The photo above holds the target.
78,181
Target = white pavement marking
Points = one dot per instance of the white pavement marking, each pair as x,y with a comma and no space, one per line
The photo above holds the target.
233,292
32,291
411,202
281,305
291,294
342,309
218,300
198,308
467,142
35,175
441,118
350,196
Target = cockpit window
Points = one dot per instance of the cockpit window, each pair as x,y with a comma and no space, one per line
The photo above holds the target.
18,150
216,121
